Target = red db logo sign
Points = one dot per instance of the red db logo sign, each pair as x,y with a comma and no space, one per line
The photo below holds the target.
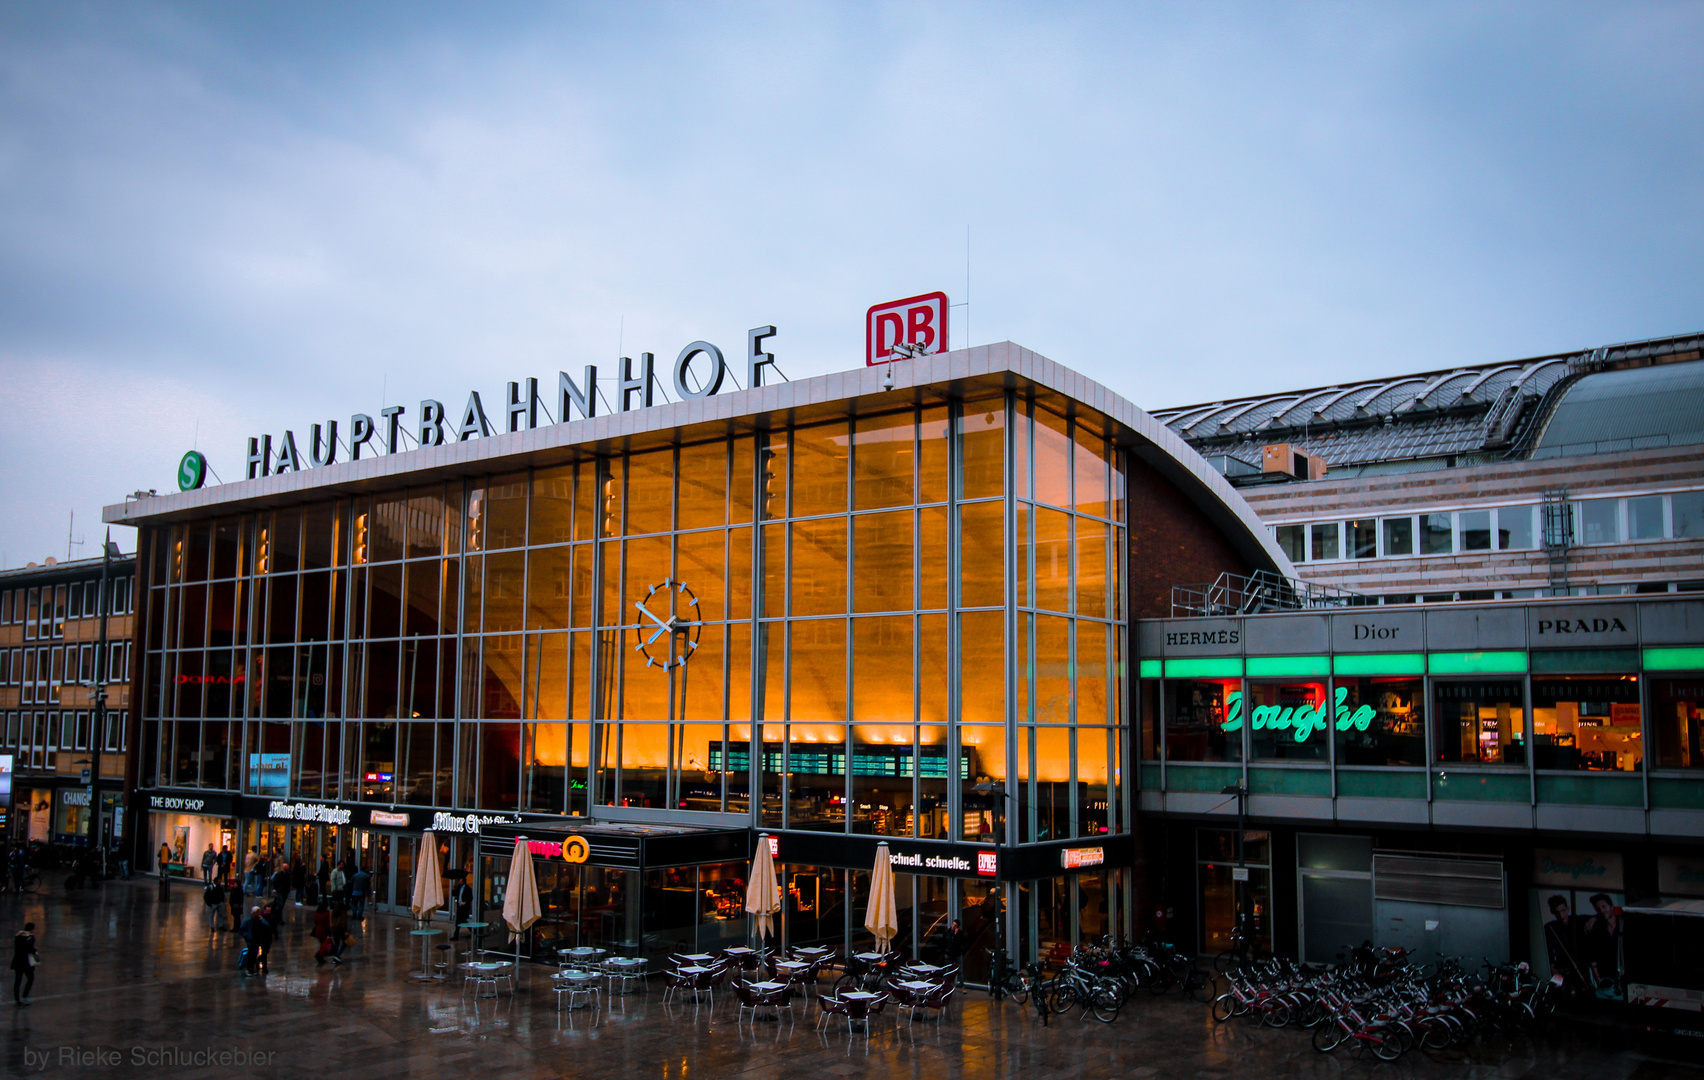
917,324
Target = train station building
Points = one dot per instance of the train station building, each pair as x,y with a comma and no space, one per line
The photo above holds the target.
972,604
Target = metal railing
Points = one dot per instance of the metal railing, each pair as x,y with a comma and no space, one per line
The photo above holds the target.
1260,592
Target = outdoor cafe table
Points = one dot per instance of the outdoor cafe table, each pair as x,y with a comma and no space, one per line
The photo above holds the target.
697,958
739,950
477,931
577,979
584,954
623,966
425,973
917,987
872,957
924,969
485,972
858,995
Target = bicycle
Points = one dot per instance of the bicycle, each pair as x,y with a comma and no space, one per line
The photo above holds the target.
1243,950
1075,985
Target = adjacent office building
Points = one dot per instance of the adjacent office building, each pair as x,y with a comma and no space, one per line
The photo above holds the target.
55,749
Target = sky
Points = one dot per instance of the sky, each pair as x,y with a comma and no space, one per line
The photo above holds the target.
221,220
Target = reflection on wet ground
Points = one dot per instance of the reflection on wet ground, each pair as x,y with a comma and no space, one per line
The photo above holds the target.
123,971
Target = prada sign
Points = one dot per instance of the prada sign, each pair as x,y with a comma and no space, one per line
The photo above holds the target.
1561,626
699,371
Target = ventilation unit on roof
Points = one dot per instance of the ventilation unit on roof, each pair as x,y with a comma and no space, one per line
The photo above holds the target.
1285,459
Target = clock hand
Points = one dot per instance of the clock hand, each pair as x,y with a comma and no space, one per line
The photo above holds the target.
643,610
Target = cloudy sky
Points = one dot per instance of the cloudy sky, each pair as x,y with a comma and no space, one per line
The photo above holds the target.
223,219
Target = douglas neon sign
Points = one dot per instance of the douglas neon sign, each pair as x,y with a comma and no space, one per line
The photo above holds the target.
1300,720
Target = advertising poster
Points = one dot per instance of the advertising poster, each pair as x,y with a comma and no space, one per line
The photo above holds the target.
1574,909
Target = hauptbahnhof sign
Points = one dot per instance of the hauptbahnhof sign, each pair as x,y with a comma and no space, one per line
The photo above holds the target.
699,371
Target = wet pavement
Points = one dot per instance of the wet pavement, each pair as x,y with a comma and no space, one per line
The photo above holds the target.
135,986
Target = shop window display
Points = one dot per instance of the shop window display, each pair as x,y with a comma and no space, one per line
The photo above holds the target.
1590,723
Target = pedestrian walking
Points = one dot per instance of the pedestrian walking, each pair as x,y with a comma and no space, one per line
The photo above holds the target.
258,932
251,883
463,896
224,863
322,932
234,900
24,961
338,883
323,874
339,930
213,897
281,884
298,878
209,861
165,866
358,888
310,891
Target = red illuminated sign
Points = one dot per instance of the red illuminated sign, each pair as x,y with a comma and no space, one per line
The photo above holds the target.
210,680
917,321
987,863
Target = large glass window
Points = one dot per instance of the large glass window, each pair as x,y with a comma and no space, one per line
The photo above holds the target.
1379,721
1204,719
1481,723
1587,723
1677,721
1361,538
1398,535
1292,541
1287,720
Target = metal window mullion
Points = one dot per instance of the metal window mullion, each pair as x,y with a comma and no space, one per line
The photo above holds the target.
955,794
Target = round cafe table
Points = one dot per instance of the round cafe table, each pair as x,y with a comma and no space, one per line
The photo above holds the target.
425,974
476,930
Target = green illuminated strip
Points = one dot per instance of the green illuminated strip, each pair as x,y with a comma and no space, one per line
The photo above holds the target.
1402,663
1150,669
1674,659
1214,668
1288,666
1477,663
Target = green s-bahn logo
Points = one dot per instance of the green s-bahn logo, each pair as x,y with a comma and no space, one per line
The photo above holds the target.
192,471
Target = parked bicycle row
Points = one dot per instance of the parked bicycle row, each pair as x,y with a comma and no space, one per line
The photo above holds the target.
1100,979
1382,1003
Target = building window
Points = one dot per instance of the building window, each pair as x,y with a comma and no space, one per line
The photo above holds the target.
1480,723
1514,528
1437,534
1292,541
1586,723
1645,518
1600,521
1287,720
1677,722
1325,542
1475,530
1380,721
1688,507
1362,538
1204,719
1398,536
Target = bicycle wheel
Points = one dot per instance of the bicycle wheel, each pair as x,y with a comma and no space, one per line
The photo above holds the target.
1018,986
1226,962
1200,986
1105,1006
1275,1013
1329,1035
1384,1044
1224,1007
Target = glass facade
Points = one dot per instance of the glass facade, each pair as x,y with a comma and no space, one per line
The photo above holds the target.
841,627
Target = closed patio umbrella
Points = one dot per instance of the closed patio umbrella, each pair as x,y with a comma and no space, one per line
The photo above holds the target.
428,893
520,899
763,895
882,918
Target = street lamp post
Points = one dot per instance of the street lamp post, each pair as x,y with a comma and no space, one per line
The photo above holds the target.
103,606
1240,877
